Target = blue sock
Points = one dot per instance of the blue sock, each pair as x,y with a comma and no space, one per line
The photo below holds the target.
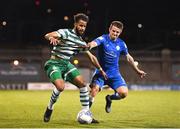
115,96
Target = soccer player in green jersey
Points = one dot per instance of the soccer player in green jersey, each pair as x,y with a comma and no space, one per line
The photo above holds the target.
67,43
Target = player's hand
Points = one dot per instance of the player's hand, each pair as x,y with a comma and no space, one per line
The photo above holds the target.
103,74
142,73
53,40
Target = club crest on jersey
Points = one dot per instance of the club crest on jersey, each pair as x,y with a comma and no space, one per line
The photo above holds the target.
118,48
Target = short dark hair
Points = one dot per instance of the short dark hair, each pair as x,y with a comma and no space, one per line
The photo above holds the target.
81,16
118,24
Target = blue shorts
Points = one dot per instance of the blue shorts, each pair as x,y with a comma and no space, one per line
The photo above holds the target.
113,82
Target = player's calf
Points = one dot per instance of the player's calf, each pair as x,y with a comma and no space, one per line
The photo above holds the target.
94,91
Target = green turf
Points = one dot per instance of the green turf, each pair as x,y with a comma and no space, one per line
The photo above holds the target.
141,109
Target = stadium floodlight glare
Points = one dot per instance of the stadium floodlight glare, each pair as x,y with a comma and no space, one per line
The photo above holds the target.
139,25
16,62
4,23
49,10
76,61
66,18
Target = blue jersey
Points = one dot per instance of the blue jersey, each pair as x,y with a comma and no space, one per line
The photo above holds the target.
109,52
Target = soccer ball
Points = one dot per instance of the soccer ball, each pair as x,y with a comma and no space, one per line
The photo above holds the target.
84,116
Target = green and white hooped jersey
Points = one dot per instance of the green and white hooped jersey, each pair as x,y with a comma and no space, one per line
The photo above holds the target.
68,46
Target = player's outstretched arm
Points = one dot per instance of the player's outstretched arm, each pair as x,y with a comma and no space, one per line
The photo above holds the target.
135,67
95,62
92,45
53,37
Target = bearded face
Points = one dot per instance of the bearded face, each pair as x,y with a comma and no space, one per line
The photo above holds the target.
80,27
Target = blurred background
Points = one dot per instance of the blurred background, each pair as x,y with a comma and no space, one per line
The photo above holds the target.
151,32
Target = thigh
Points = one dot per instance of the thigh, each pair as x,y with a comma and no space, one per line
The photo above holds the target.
53,72
116,82
122,89
72,74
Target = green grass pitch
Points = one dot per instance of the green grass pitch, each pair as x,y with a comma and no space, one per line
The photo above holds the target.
141,109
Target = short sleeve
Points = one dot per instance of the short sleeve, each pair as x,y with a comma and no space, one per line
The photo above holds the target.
125,49
63,33
99,40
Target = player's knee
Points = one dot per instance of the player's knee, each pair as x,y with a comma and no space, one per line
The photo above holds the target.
123,92
59,88
59,85
123,95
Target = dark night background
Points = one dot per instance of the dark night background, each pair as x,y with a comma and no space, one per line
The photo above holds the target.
23,23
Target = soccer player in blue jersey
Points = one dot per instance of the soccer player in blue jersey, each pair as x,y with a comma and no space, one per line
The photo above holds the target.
110,48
